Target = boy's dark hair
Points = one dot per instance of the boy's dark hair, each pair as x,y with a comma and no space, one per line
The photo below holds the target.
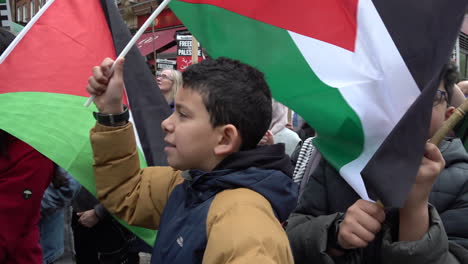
450,77
306,131
5,39
233,93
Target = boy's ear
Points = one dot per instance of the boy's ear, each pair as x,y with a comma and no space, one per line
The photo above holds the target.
229,140
448,113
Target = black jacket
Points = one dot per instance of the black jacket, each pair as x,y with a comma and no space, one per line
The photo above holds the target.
450,192
326,197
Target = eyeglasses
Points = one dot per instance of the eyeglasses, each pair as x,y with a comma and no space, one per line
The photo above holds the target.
440,97
163,76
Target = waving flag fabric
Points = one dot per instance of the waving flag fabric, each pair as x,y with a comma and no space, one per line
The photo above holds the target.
43,86
362,73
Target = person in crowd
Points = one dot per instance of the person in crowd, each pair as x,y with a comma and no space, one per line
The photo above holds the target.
57,197
458,97
306,131
461,129
98,237
297,121
169,81
332,225
279,131
223,199
464,87
24,176
450,192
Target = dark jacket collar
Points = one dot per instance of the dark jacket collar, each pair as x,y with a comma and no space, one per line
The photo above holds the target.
262,170
264,157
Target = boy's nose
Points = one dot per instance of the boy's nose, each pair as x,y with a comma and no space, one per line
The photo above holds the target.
167,125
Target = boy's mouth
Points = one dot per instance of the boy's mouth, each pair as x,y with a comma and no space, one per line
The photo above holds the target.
169,145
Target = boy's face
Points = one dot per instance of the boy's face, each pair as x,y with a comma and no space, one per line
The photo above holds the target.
190,137
439,110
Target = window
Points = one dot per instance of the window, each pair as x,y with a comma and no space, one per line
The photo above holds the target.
18,14
24,13
463,43
463,66
31,5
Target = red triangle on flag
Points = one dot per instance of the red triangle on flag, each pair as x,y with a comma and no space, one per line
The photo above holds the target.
337,26
58,52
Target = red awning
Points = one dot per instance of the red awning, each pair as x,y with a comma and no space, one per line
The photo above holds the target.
149,42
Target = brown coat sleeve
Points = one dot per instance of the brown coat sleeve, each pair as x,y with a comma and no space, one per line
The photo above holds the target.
137,196
242,228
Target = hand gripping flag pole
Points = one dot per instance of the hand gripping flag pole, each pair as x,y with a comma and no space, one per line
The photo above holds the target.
133,40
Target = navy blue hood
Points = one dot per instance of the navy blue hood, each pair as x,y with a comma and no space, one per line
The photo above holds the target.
266,170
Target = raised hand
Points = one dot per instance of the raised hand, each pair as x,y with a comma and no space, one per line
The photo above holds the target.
107,86
362,221
414,216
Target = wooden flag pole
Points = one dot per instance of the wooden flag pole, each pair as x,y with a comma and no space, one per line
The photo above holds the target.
450,123
134,40
194,50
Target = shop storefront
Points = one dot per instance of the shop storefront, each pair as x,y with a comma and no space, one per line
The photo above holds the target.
158,43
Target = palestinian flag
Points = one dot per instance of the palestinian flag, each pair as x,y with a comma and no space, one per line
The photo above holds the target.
44,76
362,73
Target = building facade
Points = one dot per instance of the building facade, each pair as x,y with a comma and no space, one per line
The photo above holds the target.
462,48
22,11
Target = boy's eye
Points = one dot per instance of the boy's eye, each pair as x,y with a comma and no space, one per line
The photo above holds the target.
182,114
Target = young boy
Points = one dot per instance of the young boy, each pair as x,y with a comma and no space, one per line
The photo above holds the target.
332,225
450,192
227,205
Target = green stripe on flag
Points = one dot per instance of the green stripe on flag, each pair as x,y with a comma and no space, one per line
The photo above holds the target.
291,80
58,125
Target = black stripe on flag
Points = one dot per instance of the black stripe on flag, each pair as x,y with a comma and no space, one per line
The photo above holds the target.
148,106
424,33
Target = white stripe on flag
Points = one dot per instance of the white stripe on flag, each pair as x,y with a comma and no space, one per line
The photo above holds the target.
374,80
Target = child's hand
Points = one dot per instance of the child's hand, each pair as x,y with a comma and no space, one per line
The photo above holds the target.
88,218
107,86
362,221
414,216
431,165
